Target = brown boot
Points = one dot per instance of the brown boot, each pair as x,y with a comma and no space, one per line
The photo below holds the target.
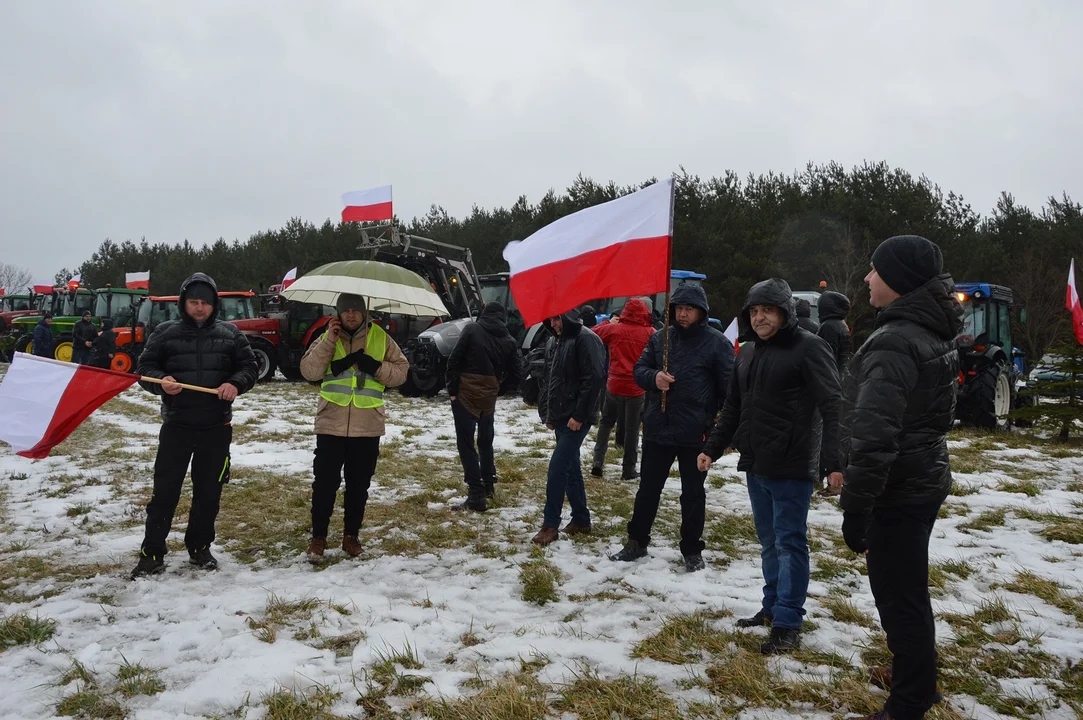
351,545
545,536
315,550
575,529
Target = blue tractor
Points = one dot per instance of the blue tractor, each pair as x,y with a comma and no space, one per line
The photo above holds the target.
991,366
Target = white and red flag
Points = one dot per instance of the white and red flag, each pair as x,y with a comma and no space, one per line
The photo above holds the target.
43,289
732,334
45,399
615,249
1071,301
368,205
289,278
76,280
137,280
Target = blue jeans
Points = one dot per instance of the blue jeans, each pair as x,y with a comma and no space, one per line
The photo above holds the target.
566,478
780,512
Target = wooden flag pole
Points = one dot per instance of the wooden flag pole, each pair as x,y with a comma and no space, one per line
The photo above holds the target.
186,386
669,284
197,388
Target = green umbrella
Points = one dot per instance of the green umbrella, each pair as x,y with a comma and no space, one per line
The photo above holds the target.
386,288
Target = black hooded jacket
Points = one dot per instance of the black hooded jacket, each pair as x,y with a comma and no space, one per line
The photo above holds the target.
899,402
207,356
83,332
804,316
700,360
833,308
485,357
777,386
575,371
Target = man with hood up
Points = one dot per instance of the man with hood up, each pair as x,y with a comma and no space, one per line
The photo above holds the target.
804,316
568,403
354,362
83,334
833,307
898,406
780,381
43,336
624,398
485,357
700,362
196,426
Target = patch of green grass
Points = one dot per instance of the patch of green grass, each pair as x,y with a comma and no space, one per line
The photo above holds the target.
266,515
1030,583
986,521
629,697
1024,487
959,568
133,680
962,489
513,697
29,569
91,703
21,629
845,611
343,645
539,579
732,534
300,705
80,509
829,568
684,639
280,613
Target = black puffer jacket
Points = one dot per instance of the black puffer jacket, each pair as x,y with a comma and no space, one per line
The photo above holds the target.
899,402
207,356
575,372
804,316
833,308
485,357
700,360
777,386
82,332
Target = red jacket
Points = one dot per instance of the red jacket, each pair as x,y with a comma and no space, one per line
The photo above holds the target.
625,341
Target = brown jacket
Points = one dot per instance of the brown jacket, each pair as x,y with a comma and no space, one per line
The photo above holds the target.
350,421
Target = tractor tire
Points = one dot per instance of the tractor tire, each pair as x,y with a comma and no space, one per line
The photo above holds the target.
62,348
265,360
530,391
428,385
25,344
123,360
408,389
991,398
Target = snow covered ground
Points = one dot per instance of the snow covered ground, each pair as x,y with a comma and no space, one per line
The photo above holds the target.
431,620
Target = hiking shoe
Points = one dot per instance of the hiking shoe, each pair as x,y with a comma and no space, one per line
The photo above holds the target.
315,550
781,640
574,528
351,545
760,619
148,565
632,550
490,489
693,563
545,536
596,470
880,676
202,559
474,501
629,476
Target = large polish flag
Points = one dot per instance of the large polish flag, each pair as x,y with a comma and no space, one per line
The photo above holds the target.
1071,301
45,399
289,278
137,280
615,249
367,205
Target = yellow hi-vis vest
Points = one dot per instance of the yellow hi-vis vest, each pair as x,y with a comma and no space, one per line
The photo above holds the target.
344,388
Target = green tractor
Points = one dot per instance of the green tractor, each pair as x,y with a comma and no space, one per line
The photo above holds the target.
991,368
68,306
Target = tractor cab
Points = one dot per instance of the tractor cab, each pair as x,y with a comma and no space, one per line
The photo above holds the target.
119,304
990,365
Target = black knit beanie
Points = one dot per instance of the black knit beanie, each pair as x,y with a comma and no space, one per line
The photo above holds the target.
906,262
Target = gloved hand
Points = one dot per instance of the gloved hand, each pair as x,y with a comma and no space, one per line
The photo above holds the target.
343,364
368,364
854,528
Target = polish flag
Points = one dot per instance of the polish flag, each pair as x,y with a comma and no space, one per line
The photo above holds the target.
137,280
289,278
1071,301
731,335
367,205
43,289
76,278
615,249
45,399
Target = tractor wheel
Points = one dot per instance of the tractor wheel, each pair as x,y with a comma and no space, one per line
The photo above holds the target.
530,391
62,350
992,397
265,360
408,389
122,361
427,385
24,344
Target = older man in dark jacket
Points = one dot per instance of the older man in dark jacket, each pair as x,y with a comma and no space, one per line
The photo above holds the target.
568,404
780,381
83,335
485,357
700,361
196,426
43,341
898,407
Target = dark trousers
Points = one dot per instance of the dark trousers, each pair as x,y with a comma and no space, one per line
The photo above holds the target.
657,460
898,563
208,451
565,478
356,458
476,470
618,408
80,355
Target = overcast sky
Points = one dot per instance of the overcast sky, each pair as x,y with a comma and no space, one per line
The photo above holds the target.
201,119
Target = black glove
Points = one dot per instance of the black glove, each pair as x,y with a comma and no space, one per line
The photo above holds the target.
368,364
343,364
854,528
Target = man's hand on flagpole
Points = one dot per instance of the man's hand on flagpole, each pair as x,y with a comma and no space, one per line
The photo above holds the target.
663,380
169,385
226,391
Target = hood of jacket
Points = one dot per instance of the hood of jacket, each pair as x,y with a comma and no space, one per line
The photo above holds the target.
804,308
42,321
494,318
571,321
774,291
933,306
636,312
833,306
194,278
689,294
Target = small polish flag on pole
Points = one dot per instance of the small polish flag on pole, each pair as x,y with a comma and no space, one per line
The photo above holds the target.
137,280
289,278
76,278
615,249
1071,301
732,333
367,205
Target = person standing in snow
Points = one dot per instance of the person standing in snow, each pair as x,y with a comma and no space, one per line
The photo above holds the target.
898,406
43,336
833,308
105,345
700,362
196,427
485,357
568,401
623,398
780,381
804,316
355,361
83,334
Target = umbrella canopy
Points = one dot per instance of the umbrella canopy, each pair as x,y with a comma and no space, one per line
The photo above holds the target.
386,288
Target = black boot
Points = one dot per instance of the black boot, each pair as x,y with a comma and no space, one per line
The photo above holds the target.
490,488
148,565
760,619
693,563
202,559
474,501
632,551
781,640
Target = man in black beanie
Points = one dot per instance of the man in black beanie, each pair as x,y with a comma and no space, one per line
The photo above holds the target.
898,406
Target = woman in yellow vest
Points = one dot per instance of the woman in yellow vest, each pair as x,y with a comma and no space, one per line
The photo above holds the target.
354,362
